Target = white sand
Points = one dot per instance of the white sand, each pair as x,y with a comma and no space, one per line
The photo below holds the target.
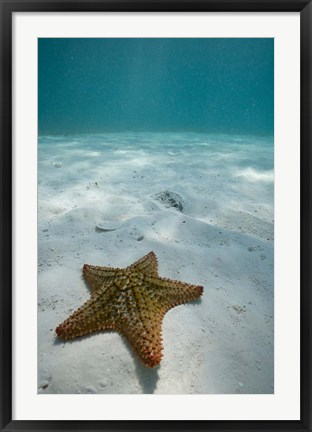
223,240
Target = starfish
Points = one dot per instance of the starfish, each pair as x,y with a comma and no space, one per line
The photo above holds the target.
132,301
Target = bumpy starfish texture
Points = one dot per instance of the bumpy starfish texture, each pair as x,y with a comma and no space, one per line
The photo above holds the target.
132,301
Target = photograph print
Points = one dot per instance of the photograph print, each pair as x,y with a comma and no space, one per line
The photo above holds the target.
155,216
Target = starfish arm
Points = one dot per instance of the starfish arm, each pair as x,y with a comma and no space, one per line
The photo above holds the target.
169,293
147,345
98,277
147,265
90,317
140,324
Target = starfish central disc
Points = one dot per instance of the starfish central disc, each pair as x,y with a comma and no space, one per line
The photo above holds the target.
132,301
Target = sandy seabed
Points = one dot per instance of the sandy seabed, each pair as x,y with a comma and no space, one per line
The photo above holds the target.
222,239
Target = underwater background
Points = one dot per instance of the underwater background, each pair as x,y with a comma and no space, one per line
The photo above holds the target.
161,84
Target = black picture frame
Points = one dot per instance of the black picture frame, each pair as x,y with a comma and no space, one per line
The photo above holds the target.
7,9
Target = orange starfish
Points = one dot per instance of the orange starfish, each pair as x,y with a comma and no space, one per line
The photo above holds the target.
132,301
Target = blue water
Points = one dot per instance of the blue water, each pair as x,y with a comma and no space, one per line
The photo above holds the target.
221,86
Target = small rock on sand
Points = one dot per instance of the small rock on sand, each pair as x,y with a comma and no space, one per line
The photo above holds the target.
170,199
